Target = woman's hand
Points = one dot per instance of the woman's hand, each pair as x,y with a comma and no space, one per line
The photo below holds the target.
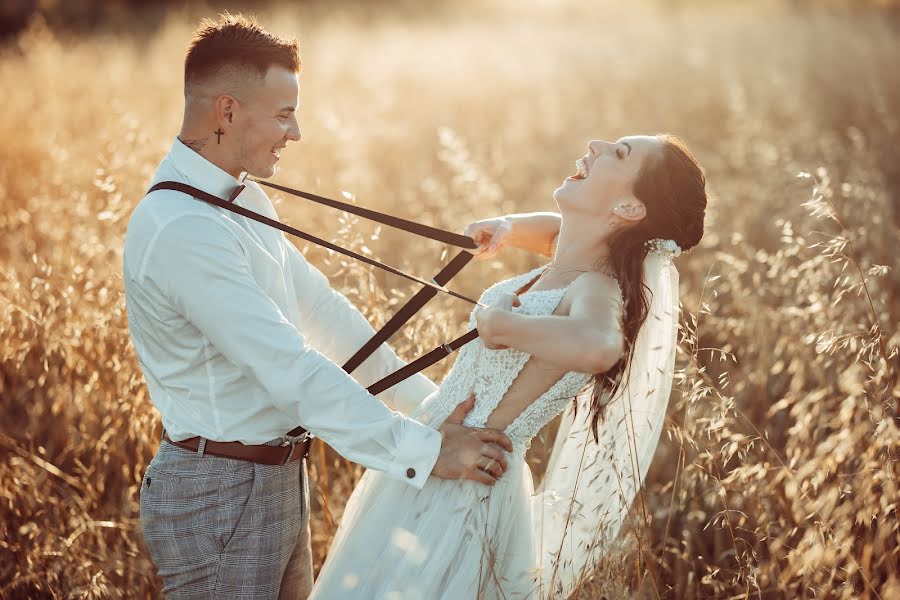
488,320
491,235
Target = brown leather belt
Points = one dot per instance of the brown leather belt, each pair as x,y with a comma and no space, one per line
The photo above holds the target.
263,454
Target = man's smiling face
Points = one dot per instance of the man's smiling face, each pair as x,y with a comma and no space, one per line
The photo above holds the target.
266,121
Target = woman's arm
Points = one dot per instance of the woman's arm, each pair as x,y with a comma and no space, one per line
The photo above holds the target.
535,232
588,340
566,342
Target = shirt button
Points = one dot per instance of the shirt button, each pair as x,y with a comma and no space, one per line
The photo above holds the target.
411,473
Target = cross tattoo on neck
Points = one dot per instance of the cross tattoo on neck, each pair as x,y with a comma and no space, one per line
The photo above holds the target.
219,134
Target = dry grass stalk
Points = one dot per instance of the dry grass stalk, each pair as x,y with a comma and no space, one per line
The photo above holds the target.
776,477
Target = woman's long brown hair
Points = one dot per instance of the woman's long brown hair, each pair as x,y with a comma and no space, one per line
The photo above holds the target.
672,187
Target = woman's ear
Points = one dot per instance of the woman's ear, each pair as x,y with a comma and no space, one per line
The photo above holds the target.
630,209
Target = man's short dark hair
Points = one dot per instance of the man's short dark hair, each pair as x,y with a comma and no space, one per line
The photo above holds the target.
236,43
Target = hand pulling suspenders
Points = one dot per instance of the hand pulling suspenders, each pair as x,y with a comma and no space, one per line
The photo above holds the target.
430,289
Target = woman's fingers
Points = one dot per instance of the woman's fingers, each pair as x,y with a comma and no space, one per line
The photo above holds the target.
490,235
505,301
478,229
482,231
508,300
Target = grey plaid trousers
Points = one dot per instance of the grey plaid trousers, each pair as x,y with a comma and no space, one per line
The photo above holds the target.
223,528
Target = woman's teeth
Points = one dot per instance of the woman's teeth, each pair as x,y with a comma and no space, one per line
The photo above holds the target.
581,169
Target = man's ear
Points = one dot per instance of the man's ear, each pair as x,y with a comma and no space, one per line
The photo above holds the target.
225,107
630,208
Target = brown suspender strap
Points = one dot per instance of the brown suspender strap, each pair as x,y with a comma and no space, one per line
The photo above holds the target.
235,208
414,304
440,235
405,313
421,363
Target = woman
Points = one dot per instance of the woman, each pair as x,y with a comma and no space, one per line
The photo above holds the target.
580,327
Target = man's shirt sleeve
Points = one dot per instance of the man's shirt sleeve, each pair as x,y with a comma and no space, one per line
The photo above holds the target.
337,329
202,269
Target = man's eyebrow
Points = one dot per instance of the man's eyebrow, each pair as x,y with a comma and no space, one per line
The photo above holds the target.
287,109
629,148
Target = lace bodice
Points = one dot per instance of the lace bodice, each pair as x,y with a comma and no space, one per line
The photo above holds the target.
489,373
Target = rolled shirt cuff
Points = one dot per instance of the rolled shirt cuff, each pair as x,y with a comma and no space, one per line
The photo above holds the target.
416,456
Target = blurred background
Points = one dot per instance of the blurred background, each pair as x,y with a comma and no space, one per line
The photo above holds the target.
776,476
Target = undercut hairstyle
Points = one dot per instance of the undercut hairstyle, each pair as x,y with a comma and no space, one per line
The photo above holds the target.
225,54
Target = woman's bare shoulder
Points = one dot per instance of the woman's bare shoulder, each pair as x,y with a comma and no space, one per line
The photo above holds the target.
595,283
594,292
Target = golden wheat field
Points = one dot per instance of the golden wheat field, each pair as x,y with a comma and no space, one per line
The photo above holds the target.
777,473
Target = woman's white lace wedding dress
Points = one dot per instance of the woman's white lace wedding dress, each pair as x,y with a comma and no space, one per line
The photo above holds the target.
454,539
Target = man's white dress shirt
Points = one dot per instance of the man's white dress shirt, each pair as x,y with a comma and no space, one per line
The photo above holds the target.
239,338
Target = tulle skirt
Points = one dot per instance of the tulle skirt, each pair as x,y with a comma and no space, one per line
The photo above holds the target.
453,539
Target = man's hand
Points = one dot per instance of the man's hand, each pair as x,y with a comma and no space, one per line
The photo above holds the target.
470,453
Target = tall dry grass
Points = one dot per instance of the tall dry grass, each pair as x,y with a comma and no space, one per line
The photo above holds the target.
777,473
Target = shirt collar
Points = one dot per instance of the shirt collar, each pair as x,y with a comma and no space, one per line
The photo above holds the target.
201,173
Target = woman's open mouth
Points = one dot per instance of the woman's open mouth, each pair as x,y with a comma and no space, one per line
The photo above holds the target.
581,171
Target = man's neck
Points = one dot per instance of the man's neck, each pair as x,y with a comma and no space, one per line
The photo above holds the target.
208,147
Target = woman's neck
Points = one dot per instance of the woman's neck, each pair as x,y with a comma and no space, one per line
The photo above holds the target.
582,245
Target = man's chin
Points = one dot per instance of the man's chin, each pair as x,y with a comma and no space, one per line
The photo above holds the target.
262,172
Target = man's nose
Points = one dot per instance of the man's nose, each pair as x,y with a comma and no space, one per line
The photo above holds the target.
294,132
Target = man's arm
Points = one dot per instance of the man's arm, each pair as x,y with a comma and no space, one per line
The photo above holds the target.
201,268
336,328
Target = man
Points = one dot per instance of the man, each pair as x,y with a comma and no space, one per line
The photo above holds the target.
239,340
